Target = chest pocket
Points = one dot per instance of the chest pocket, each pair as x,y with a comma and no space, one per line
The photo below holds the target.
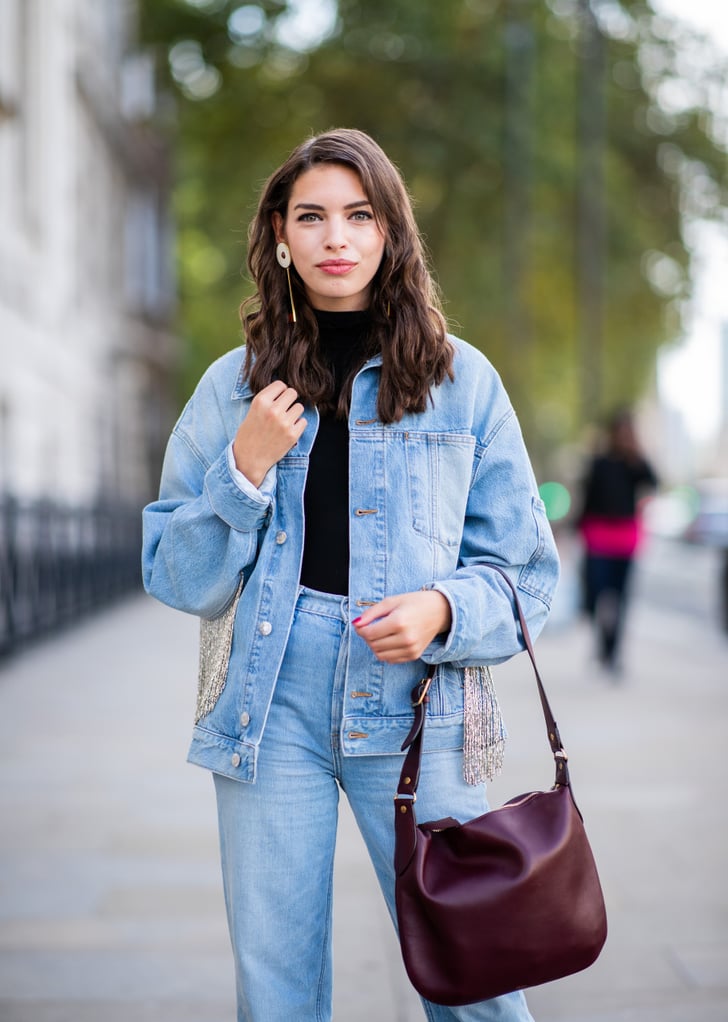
439,469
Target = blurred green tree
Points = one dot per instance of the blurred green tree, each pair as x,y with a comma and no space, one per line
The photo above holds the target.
554,152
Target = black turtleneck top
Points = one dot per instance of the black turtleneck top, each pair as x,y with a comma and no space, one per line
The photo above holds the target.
343,340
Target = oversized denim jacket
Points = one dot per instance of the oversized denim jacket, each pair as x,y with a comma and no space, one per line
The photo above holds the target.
434,498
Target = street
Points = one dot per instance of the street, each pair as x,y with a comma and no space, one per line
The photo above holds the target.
110,900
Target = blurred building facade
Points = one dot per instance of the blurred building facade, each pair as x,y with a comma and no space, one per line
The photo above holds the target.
86,294
722,445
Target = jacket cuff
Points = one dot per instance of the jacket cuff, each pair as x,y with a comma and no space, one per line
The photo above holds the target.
266,488
440,650
242,508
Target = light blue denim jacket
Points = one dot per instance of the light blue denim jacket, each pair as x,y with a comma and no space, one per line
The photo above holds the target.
433,499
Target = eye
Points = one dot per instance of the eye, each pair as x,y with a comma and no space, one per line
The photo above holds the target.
362,214
308,218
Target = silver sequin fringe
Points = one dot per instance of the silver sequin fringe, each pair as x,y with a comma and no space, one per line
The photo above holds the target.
485,733
216,639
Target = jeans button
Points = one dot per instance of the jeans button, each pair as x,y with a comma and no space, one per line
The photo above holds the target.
245,718
265,627
235,759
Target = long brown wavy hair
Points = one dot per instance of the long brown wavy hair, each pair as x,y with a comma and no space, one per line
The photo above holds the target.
407,322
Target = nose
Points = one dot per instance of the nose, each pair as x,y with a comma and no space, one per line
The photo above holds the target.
336,234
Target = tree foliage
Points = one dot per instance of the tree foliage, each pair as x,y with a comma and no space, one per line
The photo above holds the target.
483,104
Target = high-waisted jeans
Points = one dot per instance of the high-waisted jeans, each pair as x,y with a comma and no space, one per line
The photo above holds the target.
278,834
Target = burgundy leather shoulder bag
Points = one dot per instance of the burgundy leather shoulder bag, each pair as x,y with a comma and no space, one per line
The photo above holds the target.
506,901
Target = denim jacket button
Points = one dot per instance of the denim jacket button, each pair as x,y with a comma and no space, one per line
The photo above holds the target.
281,537
245,718
265,627
235,759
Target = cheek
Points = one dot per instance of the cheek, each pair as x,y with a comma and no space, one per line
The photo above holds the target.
299,249
377,247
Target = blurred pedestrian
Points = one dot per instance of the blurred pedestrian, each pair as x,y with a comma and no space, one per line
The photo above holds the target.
610,527
331,497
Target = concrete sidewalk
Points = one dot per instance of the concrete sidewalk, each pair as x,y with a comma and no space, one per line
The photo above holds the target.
110,902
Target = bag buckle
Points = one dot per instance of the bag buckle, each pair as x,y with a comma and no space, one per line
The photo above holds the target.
420,693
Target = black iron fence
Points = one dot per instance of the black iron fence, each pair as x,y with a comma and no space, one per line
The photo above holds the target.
58,564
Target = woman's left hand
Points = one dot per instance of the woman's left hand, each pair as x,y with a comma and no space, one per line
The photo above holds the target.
400,628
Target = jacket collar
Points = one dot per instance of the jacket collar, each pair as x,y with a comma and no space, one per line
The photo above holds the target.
242,390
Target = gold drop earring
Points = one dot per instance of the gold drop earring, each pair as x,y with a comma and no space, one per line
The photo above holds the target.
283,255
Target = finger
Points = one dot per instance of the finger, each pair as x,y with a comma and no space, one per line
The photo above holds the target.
387,644
273,390
295,413
396,654
393,647
406,643
286,399
283,412
377,612
297,429
389,630
275,397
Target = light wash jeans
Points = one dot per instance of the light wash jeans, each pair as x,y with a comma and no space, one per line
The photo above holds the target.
278,834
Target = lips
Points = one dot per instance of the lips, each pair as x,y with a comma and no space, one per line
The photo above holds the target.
336,267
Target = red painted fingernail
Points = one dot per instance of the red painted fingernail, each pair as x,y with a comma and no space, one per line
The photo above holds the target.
356,620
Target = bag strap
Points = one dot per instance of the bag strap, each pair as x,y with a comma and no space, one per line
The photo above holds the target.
410,775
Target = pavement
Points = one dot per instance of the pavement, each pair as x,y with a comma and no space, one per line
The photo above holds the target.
110,900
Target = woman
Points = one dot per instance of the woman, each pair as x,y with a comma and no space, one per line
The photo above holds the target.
611,532
333,493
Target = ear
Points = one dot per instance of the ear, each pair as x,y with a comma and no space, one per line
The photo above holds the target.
278,225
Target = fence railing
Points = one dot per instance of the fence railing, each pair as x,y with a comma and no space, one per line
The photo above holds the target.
57,564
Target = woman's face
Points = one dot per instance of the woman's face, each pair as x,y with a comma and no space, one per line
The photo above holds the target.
336,244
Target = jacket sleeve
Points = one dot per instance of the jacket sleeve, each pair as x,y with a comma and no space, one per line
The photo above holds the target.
203,531
505,524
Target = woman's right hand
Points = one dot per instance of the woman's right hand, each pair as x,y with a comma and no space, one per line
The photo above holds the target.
271,428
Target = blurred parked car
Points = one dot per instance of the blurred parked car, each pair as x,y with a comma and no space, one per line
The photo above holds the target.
709,527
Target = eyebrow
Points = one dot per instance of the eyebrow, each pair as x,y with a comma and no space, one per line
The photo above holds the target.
315,206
